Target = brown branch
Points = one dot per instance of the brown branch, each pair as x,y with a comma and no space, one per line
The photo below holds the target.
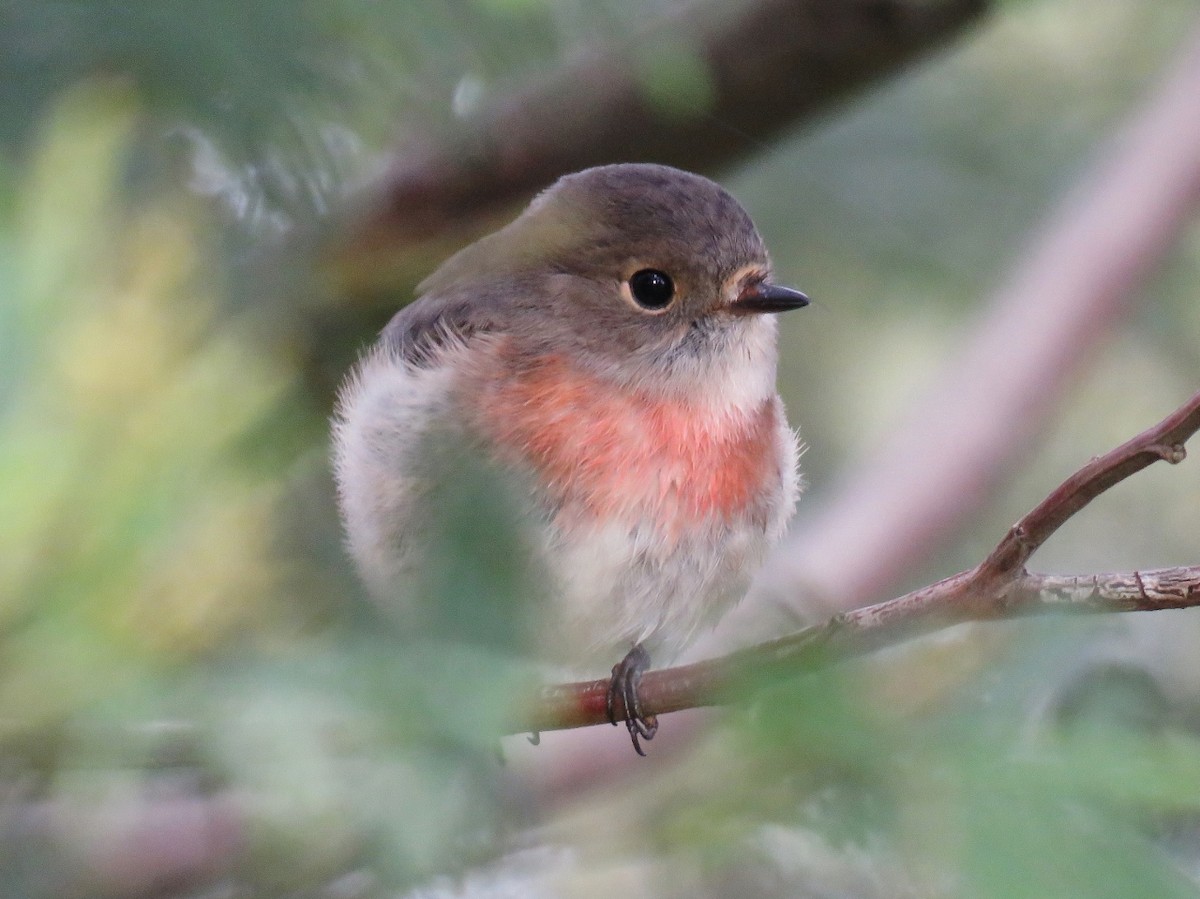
997,588
760,65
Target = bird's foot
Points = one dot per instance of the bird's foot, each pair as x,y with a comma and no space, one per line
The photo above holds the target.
626,676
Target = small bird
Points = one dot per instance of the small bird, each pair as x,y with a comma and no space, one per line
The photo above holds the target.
612,348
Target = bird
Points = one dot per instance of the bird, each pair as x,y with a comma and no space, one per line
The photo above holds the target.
614,350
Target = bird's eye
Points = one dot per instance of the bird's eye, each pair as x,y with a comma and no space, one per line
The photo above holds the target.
651,289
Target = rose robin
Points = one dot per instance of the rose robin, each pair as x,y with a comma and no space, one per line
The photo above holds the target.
613,348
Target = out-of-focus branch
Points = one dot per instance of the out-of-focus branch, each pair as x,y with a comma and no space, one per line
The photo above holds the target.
997,588
1064,298
166,839
753,68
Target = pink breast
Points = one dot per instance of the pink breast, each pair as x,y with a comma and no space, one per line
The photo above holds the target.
606,453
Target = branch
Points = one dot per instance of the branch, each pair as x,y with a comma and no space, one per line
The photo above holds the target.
756,67
997,588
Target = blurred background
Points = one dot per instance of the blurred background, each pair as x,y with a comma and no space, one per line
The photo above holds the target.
207,209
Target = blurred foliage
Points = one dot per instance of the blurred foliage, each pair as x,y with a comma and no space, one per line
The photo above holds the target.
149,620
183,650
123,502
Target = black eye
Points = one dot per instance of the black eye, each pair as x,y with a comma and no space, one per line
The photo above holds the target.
651,288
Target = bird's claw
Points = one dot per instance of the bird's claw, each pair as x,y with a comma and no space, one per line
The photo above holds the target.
626,676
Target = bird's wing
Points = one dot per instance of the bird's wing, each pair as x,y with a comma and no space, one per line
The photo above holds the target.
420,331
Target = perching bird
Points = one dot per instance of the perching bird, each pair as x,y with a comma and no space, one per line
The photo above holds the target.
613,350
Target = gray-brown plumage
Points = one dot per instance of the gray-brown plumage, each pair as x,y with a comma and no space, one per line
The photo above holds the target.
608,349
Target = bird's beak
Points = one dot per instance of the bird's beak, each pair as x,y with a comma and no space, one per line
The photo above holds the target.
759,298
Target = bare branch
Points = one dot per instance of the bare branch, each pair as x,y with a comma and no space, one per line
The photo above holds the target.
1165,442
1139,591
997,588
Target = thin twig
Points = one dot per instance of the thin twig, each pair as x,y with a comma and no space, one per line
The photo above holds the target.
997,588
1164,442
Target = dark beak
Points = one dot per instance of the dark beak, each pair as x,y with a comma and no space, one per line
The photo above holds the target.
758,298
